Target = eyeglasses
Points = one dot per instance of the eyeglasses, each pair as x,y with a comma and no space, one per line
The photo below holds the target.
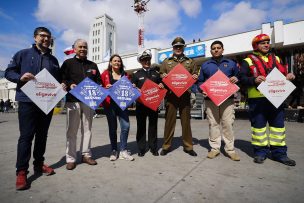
45,36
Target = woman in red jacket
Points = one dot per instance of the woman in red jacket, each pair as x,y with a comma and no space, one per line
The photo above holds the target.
114,72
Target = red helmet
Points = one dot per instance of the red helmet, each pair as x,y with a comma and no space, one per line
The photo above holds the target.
259,38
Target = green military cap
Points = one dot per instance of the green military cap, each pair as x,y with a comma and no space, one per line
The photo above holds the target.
178,41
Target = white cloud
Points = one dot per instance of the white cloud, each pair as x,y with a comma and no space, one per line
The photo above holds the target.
10,44
241,18
73,18
15,41
4,15
192,8
223,6
287,10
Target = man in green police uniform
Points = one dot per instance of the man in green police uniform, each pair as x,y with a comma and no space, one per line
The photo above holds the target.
181,103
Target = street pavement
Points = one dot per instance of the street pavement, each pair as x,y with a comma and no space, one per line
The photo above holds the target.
176,177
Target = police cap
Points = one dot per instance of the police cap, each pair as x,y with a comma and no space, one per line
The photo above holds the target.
178,41
145,54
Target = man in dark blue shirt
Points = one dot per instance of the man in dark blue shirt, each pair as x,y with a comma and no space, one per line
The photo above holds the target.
221,117
32,121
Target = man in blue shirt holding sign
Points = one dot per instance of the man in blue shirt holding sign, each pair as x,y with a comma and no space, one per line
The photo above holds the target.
75,70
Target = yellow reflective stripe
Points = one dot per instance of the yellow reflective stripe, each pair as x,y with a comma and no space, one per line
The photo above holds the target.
259,142
276,130
249,61
277,136
280,144
258,130
259,136
254,93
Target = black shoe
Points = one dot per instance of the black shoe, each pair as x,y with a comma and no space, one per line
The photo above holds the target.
141,154
154,153
259,159
164,152
191,152
287,161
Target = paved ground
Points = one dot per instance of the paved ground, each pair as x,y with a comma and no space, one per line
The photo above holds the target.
176,177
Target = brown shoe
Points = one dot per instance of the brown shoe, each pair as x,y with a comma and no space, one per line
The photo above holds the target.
88,160
212,154
234,156
70,166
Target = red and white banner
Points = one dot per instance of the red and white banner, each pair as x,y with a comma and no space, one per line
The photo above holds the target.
276,88
218,88
45,91
151,95
179,80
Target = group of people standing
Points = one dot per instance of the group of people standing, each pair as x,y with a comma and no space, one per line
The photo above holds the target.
34,123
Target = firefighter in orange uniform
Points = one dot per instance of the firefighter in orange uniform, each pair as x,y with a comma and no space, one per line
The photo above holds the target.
254,70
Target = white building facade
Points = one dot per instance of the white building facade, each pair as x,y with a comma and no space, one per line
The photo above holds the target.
286,39
102,39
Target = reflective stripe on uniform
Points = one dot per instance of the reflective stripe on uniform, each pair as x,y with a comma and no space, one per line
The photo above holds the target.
259,136
277,136
252,91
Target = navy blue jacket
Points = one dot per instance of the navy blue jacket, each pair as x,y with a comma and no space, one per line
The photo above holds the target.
33,61
210,67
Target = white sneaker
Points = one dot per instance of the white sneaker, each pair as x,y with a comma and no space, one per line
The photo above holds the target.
114,155
125,155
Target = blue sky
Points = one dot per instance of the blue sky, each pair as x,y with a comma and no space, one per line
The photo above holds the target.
192,19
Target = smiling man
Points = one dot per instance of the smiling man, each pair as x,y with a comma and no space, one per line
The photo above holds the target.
220,118
32,121
254,70
75,70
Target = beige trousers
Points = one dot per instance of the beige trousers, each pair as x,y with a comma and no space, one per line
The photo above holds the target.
221,120
78,113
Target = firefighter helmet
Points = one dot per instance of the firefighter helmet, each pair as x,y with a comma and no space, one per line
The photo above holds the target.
259,38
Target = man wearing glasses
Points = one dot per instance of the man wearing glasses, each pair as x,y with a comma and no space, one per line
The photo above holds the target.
33,122
182,103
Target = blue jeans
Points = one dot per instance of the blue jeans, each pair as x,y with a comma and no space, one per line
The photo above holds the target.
32,123
112,113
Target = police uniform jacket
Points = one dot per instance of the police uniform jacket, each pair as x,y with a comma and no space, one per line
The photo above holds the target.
169,63
139,77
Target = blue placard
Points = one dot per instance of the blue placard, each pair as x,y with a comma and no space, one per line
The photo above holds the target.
123,93
90,93
191,52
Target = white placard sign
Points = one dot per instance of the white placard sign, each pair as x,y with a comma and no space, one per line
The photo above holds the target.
276,88
45,91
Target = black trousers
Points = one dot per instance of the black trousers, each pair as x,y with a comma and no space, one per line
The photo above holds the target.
142,113
32,123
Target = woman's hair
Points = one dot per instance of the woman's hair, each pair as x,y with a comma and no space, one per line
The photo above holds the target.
121,69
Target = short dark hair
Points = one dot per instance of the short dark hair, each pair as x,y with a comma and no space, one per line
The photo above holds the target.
217,42
41,29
